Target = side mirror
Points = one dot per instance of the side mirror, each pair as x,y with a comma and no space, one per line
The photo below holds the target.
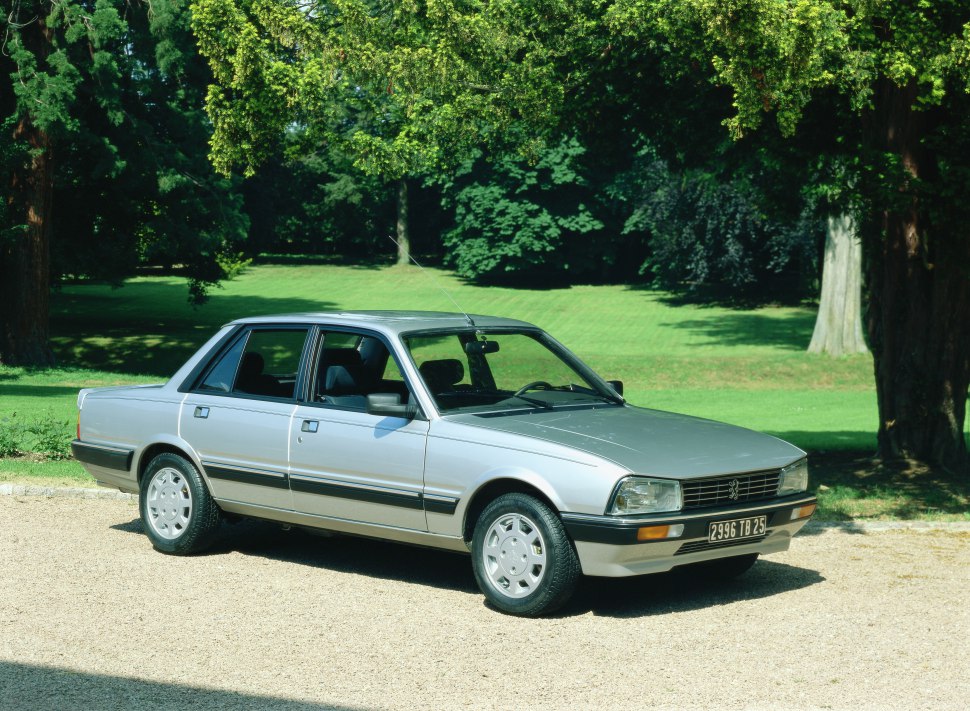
616,385
389,405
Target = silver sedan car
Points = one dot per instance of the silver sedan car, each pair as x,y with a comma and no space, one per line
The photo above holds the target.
469,433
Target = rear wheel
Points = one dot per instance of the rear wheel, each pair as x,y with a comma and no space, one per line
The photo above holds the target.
523,560
179,515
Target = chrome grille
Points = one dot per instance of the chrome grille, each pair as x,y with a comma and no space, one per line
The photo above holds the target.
722,491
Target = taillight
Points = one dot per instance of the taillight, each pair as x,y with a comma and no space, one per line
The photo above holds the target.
79,424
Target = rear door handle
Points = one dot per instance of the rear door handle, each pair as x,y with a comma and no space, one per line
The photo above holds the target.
310,426
202,412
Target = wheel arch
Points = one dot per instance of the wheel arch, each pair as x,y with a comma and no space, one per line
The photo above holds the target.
163,446
491,490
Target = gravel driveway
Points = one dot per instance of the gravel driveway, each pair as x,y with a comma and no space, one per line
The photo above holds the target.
92,617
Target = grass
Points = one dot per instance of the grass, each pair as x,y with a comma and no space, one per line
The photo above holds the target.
745,366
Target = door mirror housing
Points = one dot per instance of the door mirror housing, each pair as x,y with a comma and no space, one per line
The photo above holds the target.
389,405
617,385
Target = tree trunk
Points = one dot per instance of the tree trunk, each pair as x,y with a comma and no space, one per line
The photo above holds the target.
25,255
403,229
838,326
918,322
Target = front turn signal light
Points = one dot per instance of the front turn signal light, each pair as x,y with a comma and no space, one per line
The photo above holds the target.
803,512
658,533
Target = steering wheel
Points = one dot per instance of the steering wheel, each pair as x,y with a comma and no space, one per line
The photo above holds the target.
533,384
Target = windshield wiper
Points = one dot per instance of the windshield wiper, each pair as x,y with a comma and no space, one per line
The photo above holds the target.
535,401
573,387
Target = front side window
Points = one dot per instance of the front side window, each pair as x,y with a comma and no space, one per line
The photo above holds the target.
351,366
481,370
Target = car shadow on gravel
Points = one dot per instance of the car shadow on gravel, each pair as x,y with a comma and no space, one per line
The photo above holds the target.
345,554
684,590
680,590
26,687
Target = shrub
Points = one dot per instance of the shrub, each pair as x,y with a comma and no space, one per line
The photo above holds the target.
513,218
51,437
11,436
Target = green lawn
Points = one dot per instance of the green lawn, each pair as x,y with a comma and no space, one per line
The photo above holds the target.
745,366
748,367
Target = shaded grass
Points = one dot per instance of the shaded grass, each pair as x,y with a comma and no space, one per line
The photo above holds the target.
852,486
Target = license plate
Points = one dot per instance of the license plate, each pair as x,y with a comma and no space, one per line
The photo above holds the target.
738,528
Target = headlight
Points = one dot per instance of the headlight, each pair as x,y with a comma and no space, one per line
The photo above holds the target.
640,495
794,478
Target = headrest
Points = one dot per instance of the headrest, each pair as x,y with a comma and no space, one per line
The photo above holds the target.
448,371
252,364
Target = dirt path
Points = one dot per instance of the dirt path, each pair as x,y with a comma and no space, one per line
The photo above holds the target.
93,618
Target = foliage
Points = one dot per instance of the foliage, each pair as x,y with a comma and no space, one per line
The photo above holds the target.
11,435
514,218
720,236
50,436
117,88
434,79
310,199
47,435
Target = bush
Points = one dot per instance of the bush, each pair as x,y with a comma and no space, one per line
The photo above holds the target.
513,218
51,437
720,236
11,436
48,436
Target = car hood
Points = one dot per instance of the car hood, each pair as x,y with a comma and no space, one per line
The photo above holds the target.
647,441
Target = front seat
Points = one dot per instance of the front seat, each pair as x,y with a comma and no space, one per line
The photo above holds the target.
441,376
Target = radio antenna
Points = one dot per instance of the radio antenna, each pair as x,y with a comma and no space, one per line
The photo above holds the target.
427,274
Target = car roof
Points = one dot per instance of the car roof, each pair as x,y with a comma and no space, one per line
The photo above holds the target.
390,322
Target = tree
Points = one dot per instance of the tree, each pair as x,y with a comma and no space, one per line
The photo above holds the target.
838,326
104,163
430,82
42,74
515,219
902,74
717,232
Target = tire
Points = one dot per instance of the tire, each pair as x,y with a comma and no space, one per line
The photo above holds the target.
726,568
177,511
522,558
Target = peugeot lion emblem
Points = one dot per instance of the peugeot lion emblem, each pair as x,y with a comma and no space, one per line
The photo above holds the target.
734,489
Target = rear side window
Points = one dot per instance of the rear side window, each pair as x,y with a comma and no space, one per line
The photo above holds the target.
223,373
264,362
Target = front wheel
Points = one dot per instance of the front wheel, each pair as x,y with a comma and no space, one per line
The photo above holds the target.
522,558
178,513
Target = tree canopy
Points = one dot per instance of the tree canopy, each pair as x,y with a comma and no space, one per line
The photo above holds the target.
103,161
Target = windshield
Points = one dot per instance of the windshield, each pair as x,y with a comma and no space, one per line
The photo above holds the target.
488,371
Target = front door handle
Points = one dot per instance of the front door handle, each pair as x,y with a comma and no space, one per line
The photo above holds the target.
202,412
310,426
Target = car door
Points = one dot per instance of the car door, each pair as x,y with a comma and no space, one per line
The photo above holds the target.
344,462
237,416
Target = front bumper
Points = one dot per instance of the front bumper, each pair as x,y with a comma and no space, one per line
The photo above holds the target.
608,545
